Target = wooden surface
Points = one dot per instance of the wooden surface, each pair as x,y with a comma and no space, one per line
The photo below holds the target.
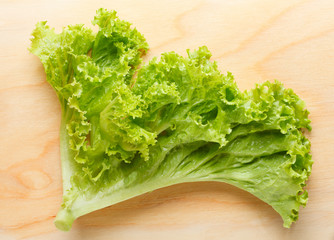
288,40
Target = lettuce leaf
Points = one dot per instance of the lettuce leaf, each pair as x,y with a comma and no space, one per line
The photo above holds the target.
126,131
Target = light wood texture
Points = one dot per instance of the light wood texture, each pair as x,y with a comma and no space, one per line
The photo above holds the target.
292,41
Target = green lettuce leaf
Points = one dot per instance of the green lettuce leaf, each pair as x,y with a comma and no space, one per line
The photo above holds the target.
126,131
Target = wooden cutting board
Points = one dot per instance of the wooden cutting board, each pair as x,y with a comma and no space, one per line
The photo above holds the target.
257,40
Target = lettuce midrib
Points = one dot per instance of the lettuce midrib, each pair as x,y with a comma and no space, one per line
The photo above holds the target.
157,176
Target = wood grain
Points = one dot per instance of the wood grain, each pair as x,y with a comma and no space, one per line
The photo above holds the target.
257,40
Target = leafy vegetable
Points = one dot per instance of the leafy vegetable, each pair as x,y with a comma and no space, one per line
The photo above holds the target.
178,120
